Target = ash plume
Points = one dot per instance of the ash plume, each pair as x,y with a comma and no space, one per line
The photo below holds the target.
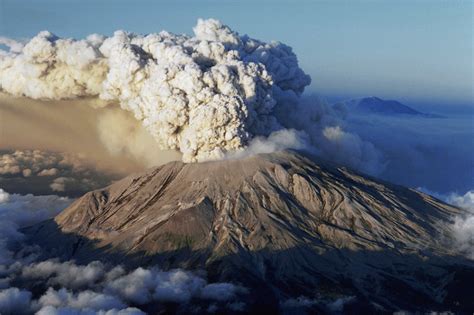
202,95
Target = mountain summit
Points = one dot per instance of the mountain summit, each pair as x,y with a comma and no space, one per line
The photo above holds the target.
284,223
375,105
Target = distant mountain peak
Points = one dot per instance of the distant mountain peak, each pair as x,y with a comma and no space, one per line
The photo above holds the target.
378,106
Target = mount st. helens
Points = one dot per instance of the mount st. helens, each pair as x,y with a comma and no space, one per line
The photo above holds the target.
283,223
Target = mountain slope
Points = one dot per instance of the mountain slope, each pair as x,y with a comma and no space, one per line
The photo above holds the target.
378,106
280,221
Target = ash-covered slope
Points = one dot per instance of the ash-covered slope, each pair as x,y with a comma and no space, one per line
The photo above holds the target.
276,221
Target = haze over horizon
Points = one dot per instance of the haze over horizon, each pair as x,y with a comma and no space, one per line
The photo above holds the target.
416,52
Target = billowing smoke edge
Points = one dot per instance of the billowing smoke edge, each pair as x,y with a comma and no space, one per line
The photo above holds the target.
463,227
202,95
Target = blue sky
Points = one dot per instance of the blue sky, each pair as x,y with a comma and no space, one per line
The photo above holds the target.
419,52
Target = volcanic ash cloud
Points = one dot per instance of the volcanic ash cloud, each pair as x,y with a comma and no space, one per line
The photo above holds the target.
203,95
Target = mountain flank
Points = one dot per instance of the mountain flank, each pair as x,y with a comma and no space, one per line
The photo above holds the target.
283,225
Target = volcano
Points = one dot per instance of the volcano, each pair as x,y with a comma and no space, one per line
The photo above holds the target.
283,225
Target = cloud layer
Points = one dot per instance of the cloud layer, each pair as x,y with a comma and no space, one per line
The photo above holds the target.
463,228
464,225
46,172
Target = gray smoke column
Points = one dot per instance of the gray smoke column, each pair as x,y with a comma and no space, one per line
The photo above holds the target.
203,95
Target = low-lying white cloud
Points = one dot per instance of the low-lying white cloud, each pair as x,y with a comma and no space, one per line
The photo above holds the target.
50,172
297,305
464,233
17,211
66,274
465,201
14,301
145,285
463,227
84,300
51,310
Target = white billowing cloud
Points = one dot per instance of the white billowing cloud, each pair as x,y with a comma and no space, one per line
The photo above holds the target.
463,228
59,184
177,286
96,289
221,291
38,170
51,310
464,225
4,196
8,165
348,149
144,285
135,287
24,161
276,141
14,45
14,301
48,172
338,305
464,233
335,306
49,67
126,311
84,300
26,172
203,95
465,201
66,274
37,162
17,211
24,210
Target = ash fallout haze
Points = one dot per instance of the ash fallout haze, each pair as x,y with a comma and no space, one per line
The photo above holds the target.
236,157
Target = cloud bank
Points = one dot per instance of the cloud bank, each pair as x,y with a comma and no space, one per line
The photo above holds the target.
46,172
435,153
463,227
